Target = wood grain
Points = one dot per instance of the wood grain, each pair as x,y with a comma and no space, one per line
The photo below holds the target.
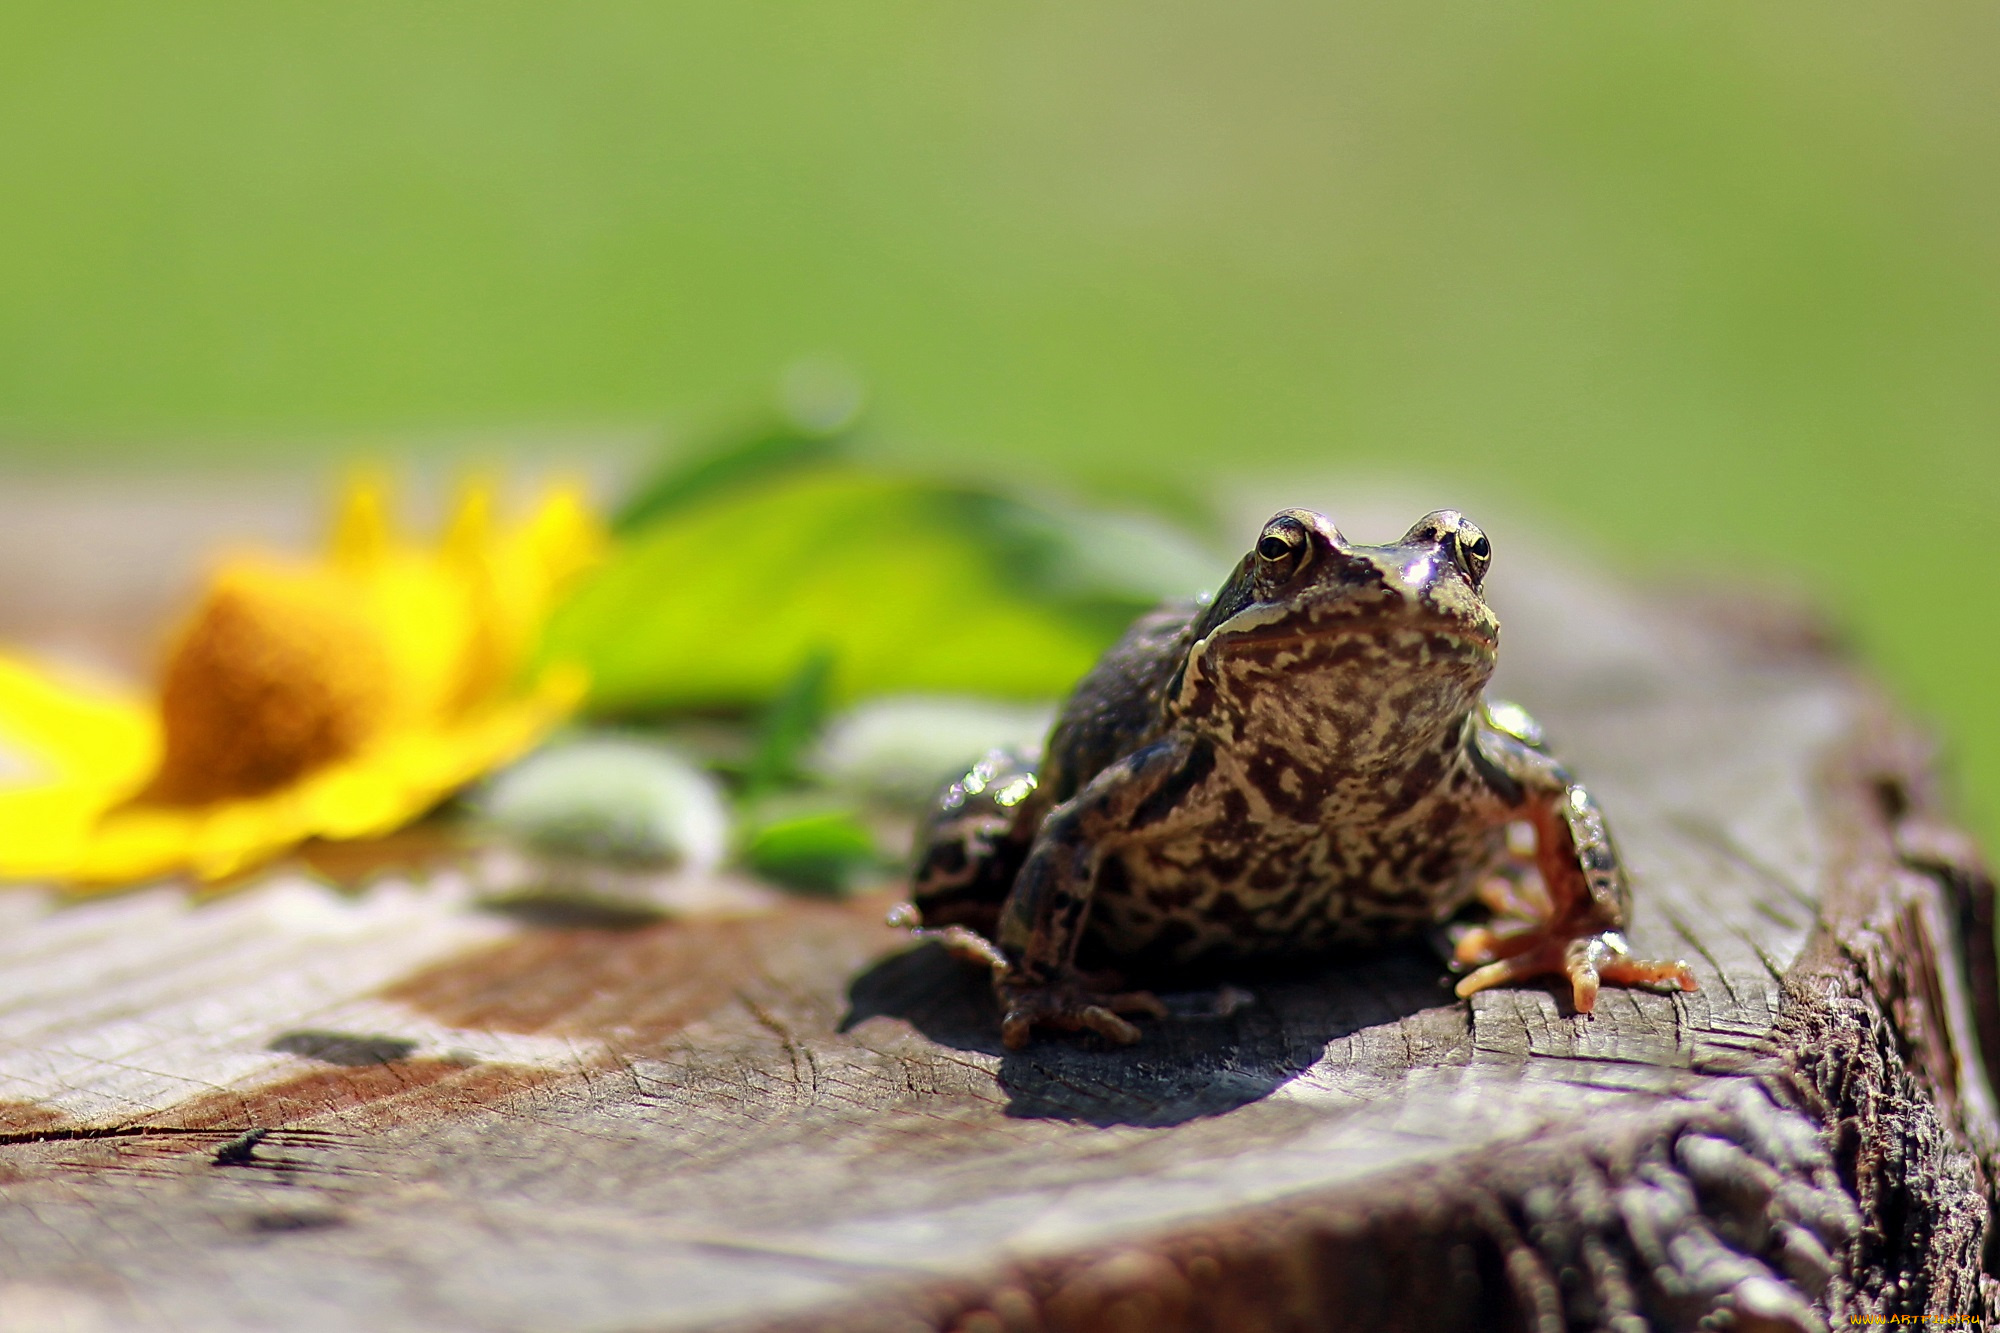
754,1115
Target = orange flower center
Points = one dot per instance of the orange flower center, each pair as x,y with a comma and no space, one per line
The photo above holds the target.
276,675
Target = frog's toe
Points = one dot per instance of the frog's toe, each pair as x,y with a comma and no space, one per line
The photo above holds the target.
1605,957
1105,1023
1142,1002
1538,961
969,946
1477,945
1649,972
961,942
1018,1027
1073,1010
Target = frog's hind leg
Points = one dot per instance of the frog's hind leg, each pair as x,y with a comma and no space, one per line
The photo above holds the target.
1574,928
968,854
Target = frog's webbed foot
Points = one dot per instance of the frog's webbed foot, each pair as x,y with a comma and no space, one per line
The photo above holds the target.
1070,1006
1530,937
1585,961
1566,918
1075,1004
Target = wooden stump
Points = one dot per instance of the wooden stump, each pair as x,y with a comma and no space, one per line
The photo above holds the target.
407,1108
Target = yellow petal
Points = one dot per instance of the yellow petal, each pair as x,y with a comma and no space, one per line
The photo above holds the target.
73,728
362,530
563,537
74,749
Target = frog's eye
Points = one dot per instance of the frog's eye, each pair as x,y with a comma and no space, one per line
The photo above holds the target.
1468,546
1282,548
1472,551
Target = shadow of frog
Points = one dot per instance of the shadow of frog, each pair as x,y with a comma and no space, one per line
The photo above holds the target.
1219,1048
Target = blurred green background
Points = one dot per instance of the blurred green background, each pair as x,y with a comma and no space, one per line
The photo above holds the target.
1716,283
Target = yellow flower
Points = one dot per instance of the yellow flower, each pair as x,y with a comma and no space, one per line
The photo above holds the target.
333,698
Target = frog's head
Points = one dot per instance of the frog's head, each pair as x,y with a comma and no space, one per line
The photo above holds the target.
1362,654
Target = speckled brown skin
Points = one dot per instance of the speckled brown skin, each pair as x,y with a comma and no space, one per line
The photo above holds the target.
1304,761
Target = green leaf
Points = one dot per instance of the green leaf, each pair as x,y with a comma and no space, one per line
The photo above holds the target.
1061,553
911,586
825,851
735,463
790,725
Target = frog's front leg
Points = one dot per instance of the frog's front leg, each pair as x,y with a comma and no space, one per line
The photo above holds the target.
1576,932
1043,919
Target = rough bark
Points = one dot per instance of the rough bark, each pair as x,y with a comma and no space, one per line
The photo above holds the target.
413,1107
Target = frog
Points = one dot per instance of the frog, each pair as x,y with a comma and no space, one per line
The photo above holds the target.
1305,762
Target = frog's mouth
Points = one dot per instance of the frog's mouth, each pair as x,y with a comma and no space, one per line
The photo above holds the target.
1327,625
